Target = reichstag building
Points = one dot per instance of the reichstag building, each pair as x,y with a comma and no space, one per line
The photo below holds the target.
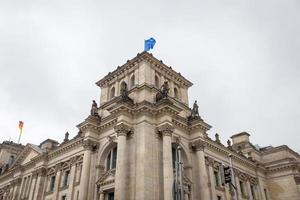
143,141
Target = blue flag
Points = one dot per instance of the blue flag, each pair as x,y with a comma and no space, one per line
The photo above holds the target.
149,44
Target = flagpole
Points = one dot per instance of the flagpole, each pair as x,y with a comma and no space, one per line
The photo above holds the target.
19,136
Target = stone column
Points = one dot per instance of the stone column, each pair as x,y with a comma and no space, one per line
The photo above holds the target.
101,195
57,179
85,173
210,162
21,192
198,147
237,184
34,180
41,173
122,131
71,178
261,188
249,190
17,188
166,131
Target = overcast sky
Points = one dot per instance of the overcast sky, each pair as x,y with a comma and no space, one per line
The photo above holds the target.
242,56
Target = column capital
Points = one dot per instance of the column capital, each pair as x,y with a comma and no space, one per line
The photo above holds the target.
90,144
197,145
123,129
165,130
209,161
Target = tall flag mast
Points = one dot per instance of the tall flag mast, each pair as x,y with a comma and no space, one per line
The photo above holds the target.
21,123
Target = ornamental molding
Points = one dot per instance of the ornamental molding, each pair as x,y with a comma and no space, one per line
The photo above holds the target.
90,145
158,65
123,130
209,161
220,148
102,180
197,145
165,130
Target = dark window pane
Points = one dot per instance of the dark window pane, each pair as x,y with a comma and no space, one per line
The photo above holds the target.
114,158
108,161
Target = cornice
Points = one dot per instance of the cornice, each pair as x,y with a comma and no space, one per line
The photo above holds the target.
220,148
145,56
279,148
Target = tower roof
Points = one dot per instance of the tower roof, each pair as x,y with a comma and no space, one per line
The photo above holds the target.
144,56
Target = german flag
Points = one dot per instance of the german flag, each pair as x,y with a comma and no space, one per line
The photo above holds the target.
21,126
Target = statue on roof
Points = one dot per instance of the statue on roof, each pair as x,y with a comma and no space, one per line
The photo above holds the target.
66,137
164,91
94,109
124,93
194,112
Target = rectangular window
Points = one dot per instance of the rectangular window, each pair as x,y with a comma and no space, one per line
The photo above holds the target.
111,196
64,197
114,158
108,161
66,178
52,183
219,198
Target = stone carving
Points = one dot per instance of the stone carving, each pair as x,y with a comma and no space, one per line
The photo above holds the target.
66,137
209,161
124,93
197,145
94,109
217,138
194,112
90,145
165,130
123,129
163,93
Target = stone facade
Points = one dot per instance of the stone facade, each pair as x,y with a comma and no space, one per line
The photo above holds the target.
125,150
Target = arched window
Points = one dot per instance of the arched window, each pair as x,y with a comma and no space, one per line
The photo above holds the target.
112,92
176,95
156,81
123,87
177,162
111,159
11,160
132,81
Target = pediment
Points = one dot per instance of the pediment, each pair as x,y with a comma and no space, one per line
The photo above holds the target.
28,153
107,178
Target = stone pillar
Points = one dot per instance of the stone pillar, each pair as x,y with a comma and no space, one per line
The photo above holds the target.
166,131
85,173
33,185
38,194
198,147
261,188
101,195
237,184
210,162
122,131
249,190
71,178
57,179
17,188
21,192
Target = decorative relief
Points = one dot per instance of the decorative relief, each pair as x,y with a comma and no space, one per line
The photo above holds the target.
197,145
90,145
209,161
123,130
165,130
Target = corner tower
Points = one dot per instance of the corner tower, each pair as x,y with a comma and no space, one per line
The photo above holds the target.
142,118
